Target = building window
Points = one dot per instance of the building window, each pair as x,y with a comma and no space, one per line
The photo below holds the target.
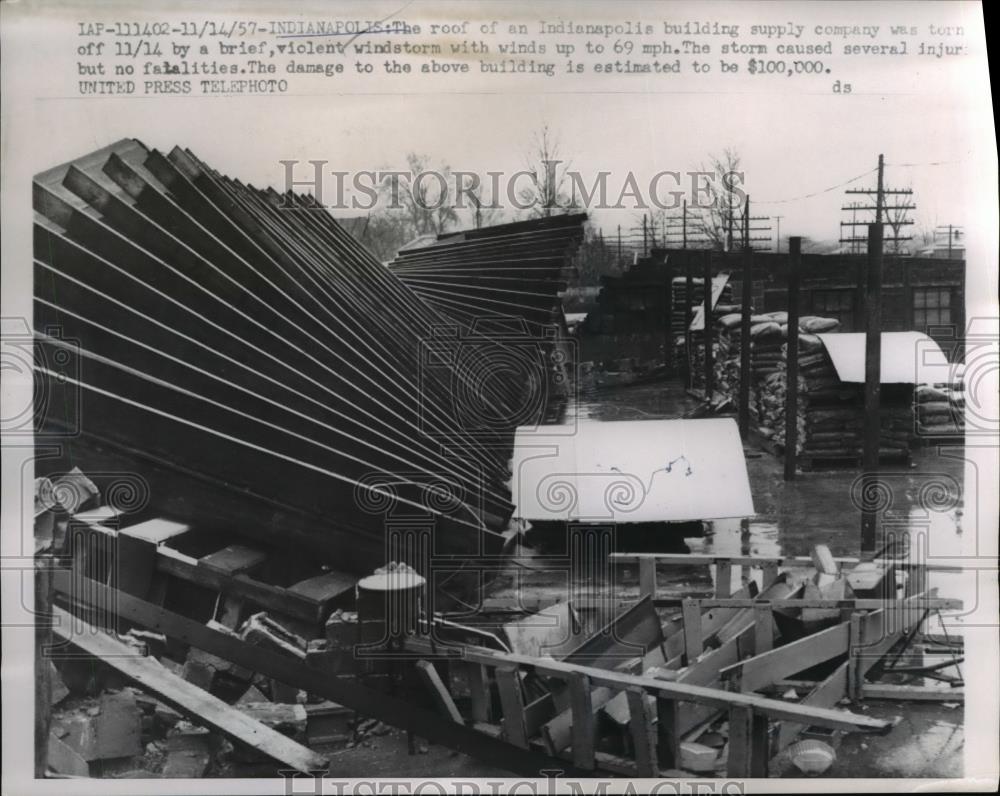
931,307
837,304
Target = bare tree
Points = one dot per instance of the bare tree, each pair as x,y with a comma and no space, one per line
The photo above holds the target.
547,193
721,199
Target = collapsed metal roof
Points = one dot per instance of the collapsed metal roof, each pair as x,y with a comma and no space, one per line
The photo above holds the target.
255,364
514,270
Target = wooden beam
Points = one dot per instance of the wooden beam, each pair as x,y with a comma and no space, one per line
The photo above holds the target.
694,559
439,694
692,630
618,681
761,670
584,728
647,578
512,703
918,693
826,694
643,733
190,700
748,744
858,603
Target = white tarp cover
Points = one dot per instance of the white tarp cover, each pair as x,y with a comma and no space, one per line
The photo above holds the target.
631,471
907,358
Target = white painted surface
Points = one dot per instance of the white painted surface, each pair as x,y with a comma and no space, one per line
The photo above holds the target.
907,358
631,471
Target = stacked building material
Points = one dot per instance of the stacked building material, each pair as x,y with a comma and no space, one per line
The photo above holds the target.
940,410
830,420
256,366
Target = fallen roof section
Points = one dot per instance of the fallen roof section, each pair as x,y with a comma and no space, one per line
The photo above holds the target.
242,352
907,358
631,471
513,270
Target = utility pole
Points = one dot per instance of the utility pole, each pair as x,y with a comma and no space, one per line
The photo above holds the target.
777,221
873,387
882,212
792,359
684,225
744,394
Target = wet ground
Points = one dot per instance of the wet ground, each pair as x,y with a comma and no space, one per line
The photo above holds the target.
923,511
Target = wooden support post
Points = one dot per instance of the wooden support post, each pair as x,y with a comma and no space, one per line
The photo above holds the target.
647,577
43,663
723,579
479,688
749,746
792,358
691,611
512,704
707,331
855,648
584,728
768,574
873,385
668,314
744,403
643,733
439,694
667,738
763,637
688,314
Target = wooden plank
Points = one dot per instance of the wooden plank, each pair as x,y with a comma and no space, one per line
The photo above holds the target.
723,579
850,603
647,577
789,659
512,704
748,744
201,706
479,689
918,693
325,587
694,559
134,563
823,560
233,559
692,630
763,629
825,695
668,738
557,733
618,681
643,733
584,727
442,698
156,531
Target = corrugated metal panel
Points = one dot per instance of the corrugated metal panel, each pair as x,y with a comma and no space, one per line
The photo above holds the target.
244,354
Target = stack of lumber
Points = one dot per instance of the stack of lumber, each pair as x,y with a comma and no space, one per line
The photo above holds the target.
940,410
259,369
